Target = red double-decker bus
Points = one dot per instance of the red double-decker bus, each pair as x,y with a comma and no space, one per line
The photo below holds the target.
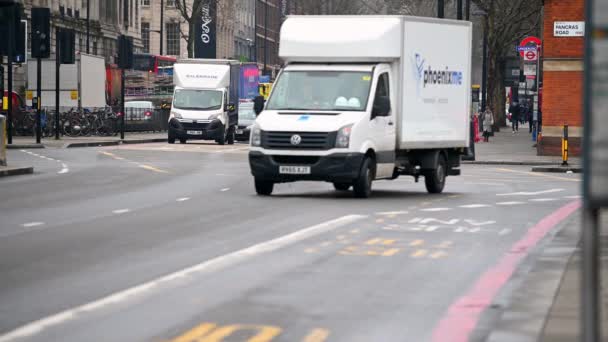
160,65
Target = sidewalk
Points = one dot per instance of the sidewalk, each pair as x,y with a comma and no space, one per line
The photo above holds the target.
6,171
563,321
68,142
514,149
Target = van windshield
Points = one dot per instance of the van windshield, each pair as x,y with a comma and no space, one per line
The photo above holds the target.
321,90
197,99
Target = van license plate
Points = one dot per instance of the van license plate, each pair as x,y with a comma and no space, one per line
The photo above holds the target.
294,170
195,132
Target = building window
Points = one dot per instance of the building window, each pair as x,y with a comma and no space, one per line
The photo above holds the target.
145,2
62,10
80,45
170,3
69,12
172,39
95,48
77,14
145,36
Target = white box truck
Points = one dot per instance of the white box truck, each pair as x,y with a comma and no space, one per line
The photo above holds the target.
205,100
364,98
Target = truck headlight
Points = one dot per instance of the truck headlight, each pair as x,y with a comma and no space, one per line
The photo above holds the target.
175,115
214,117
256,136
343,138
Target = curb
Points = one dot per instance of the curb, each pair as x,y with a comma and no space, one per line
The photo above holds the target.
558,169
15,171
23,146
114,142
506,162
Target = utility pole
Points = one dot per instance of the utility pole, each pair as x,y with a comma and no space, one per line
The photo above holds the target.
484,65
440,9
11,44
88,24
162,15
265,37
459,10
58,41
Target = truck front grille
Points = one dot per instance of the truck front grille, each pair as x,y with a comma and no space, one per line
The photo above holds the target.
307,141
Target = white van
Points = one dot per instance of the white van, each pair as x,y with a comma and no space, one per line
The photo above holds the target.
205,100
365,98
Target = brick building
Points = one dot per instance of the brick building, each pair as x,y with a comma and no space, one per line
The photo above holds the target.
562,66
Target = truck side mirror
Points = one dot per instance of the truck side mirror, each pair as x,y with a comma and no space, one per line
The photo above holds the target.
381,107
258,104
231,107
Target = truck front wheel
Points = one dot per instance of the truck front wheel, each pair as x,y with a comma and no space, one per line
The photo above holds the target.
222,138
362,186
231,132
435,179
263,187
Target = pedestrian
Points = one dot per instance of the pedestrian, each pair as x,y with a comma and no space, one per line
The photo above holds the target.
515,111
488,121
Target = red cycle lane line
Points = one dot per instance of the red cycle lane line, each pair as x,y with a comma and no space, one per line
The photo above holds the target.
462,316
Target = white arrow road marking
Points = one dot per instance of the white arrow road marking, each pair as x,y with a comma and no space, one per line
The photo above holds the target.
525,193
64,169
204,268
479,223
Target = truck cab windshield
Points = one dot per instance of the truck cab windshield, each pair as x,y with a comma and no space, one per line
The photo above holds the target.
197,99
321,90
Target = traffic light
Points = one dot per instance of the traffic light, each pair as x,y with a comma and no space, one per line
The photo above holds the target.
125,52
11,15
41,37
66,45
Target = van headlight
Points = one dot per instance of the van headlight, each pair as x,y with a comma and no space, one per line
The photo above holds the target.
214,116
175,115
256,136
343,138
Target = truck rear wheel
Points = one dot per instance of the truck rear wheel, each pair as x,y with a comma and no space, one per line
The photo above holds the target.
435,179
222,138
263,187
362,186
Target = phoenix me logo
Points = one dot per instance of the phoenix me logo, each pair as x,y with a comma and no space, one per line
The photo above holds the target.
206,20
426,75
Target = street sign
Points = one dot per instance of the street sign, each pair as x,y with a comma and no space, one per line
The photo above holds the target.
530,56
529,69
526,48
568,28
535,41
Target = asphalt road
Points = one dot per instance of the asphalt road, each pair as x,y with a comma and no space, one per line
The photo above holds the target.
170,243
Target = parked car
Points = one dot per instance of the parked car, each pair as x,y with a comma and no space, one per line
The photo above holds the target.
246,119
139,110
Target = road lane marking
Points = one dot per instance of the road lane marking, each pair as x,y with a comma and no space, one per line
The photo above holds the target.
196,333
436,209
531,193
416,243
542,199
202,268
573,197
510,203
317,335
391,213
121,211
538,174
152,168
504,231
438,255
207,332
225,189
473,206
419,253
64,169
391,252
182,199
32,224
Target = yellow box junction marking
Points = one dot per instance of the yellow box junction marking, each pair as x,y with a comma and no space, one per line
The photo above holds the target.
211,332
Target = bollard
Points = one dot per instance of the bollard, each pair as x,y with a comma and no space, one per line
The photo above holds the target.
2,140
565,146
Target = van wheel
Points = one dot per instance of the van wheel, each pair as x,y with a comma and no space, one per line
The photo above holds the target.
435,179
362,186
342,186
222,139
263,188
182,141
171,140
231,132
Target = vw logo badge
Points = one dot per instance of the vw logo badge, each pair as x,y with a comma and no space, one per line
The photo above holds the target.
296,139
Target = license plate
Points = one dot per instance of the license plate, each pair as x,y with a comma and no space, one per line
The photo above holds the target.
239,131
294,170
195,132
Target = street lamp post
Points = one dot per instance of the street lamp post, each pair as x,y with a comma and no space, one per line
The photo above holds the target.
88,23
459,10
265,37
440,9
162,14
